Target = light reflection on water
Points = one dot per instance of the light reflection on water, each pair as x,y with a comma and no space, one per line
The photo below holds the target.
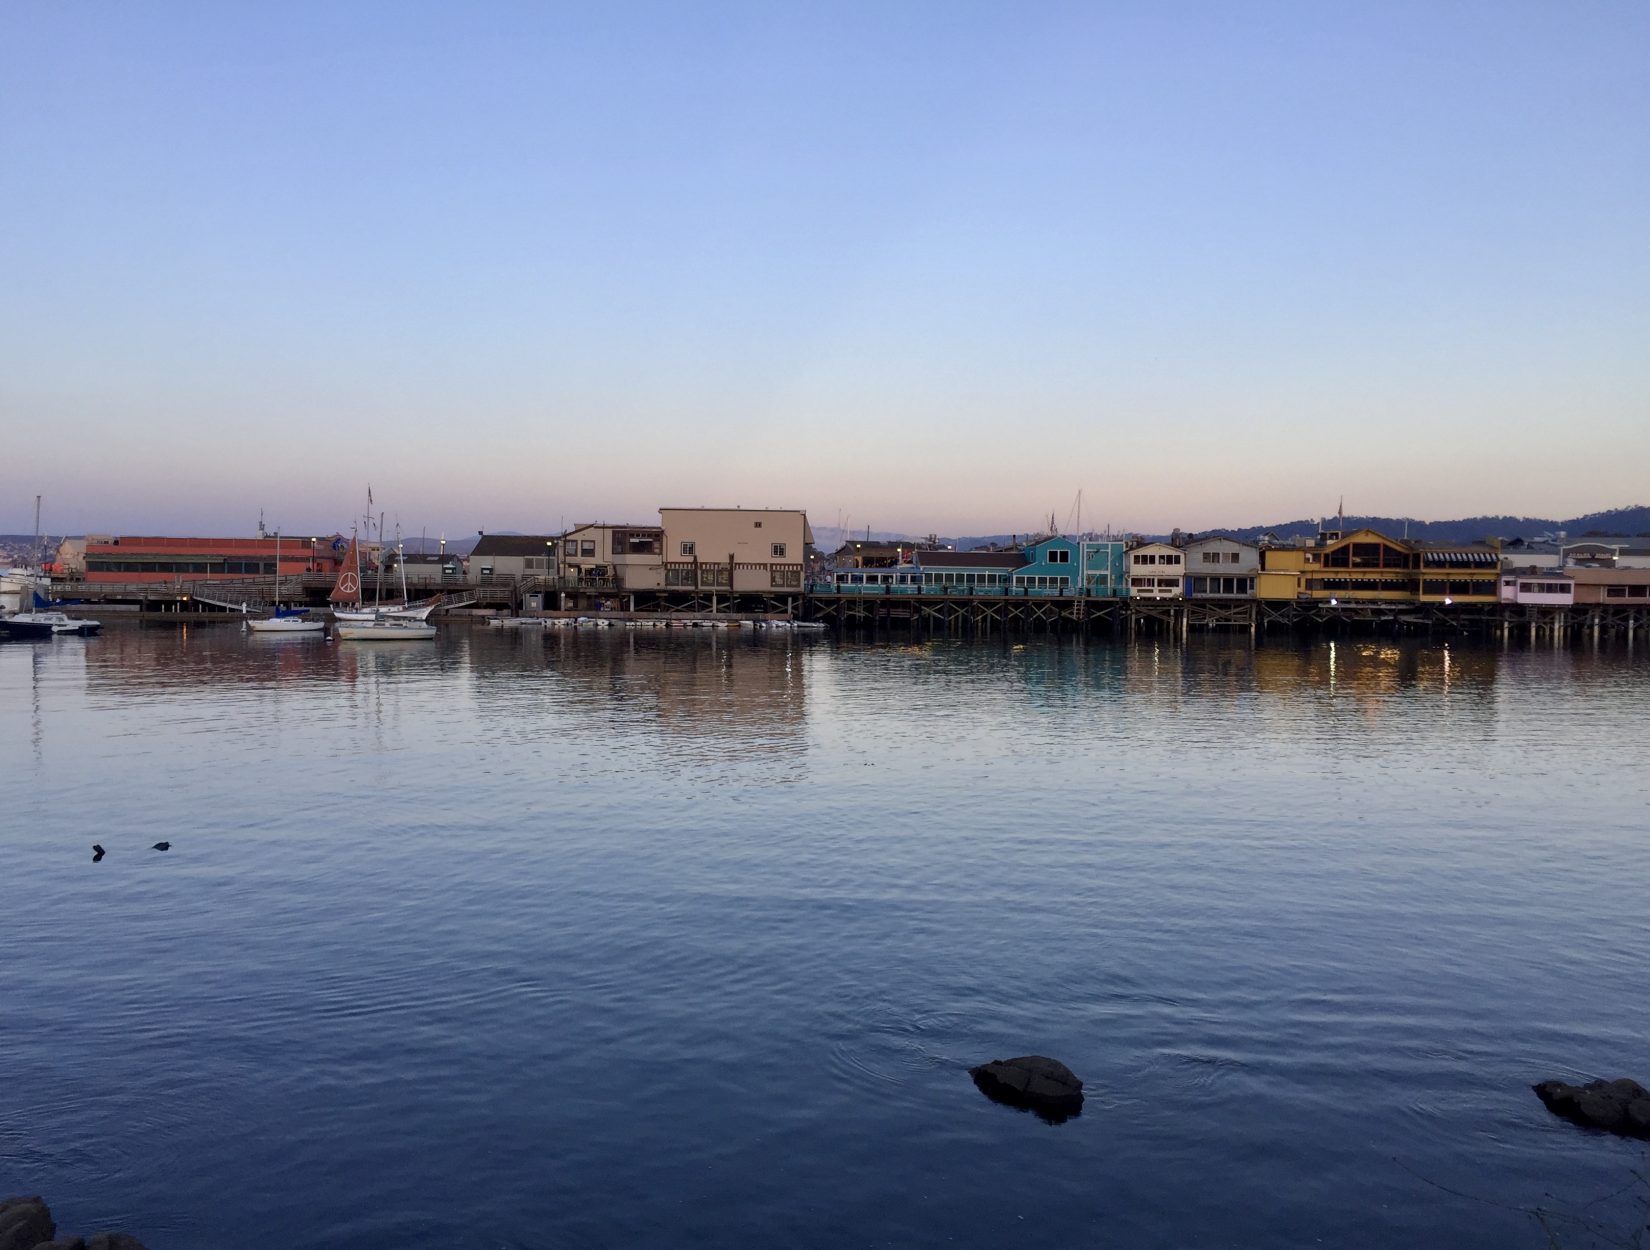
644,938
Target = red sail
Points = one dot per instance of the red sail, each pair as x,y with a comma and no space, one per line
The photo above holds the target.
348,587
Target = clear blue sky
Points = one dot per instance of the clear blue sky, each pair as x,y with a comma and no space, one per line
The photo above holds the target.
928,266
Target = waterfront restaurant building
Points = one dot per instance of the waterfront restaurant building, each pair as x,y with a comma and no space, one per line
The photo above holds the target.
745,550
171,561
1368,566
1618,587
614,557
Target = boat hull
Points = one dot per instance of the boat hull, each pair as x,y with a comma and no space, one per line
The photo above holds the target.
287,625
46,624
406,612
395,630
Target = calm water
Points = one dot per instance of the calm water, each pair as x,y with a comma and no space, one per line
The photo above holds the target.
634,939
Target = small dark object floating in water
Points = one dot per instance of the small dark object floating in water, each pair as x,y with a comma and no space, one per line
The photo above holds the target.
1032,1083
161,846
1621,1107
97,852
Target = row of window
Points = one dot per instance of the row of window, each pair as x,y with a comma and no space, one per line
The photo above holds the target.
1155,583
946,578
1152,557
1226,557
627,543
1223,586
196,568
1627,592
1457,586
1034,581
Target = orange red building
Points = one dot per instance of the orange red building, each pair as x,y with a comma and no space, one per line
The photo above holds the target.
154,559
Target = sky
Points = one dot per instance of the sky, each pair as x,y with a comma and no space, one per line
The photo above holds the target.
915,266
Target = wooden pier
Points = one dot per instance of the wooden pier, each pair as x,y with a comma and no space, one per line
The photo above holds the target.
981,614
959,614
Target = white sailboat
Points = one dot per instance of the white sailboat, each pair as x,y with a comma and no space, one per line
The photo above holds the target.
284,620
36,615
364,624
354,595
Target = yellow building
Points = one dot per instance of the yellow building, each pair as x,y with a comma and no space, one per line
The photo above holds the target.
1366,566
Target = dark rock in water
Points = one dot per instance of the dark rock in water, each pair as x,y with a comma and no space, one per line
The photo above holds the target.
1032,1083
161,846
97,852
1621,1107
25,1223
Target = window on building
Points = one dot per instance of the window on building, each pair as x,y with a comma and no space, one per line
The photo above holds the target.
1211,557
777,550
587,547
1059,555
759,525
1233,557
784,578
570,547
688,549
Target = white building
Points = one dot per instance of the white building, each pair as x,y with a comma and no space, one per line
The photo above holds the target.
1156,571
1540,588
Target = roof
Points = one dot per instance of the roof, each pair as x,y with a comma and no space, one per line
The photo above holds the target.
1609,577
512,544
971,559
612,525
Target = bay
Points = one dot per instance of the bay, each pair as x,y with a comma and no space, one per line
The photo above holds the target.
638,938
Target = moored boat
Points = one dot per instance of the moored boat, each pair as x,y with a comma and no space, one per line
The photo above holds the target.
283,620
385,629
47,622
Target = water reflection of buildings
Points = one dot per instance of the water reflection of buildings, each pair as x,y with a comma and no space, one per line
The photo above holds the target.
133,659
696,683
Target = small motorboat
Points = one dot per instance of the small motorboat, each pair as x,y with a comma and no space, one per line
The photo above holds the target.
45,624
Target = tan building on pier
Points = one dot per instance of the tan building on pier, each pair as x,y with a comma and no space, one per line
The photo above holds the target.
745,550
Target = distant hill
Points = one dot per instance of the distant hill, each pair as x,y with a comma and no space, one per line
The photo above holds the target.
1629,521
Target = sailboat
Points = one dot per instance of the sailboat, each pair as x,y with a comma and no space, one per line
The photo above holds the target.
284,620
44,617
364,624
349,578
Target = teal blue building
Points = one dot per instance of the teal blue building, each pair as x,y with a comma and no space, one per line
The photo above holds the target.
1072,566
